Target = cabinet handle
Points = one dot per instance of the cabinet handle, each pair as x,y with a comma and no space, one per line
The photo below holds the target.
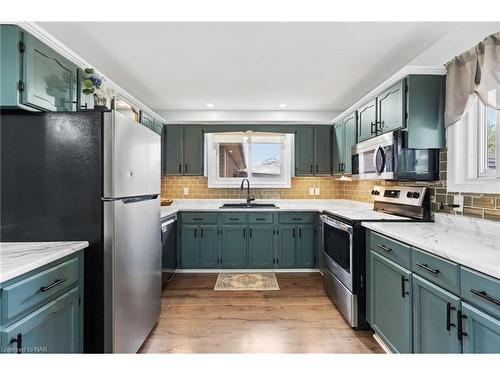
381,123
19,340
195,232
233,219
55,283
427,268
251,232
449,308
316,168
460,331
296,218
293,232
373,127
260,219
300,232
180,168
485,295
385,248
403,289
185,168
244,233
197,218
311,168
201,234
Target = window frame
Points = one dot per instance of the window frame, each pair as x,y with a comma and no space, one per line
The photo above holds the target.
212,166
467,147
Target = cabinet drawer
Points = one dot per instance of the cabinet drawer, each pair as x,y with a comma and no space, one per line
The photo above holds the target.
441,272
480,290
234,218
297,218
38,288
393,250
196,218
261,218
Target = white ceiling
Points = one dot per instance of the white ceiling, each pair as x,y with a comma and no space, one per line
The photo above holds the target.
248,66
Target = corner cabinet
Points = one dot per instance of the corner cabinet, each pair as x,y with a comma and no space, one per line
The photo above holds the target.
34,76
313,146
183,150
42,311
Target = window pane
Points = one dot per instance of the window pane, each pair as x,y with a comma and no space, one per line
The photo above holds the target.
491,134
232,160
266,160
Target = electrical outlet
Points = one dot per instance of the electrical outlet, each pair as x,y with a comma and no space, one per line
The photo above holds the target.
459,200
186,191
311,191
316,190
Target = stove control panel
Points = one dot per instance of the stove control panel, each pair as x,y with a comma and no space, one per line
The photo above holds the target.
409,195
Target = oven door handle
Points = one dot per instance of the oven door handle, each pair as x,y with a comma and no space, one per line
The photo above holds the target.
336,224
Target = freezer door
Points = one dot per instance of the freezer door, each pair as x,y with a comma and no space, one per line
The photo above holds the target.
132,159
132,272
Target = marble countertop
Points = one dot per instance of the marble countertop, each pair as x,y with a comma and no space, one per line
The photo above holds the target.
473,243
18,258
317,205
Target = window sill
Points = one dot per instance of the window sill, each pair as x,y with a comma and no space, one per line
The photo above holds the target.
488,185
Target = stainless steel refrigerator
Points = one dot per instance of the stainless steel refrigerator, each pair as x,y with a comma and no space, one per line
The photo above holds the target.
91,176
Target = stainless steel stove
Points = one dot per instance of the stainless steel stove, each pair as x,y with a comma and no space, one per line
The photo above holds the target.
343,257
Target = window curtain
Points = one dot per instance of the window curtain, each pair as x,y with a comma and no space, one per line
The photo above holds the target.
474,72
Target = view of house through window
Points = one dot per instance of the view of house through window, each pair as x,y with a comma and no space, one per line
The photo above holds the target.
263,158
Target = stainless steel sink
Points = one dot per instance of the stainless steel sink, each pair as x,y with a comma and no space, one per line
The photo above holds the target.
249,205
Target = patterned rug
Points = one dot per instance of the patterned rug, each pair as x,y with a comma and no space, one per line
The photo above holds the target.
247,281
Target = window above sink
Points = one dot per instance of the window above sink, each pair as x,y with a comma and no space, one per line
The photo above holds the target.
265,159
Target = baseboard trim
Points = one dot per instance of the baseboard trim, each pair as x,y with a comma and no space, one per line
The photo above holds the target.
244,270
379,341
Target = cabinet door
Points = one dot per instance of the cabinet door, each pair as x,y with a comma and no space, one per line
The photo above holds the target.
234,246
391,108
260,246
483,331
391,303
367,118
304,151
434,318
189,246
173,150
193,150
209,246
322,150
305,246
286,247
338,147
54,328
49,79
349,141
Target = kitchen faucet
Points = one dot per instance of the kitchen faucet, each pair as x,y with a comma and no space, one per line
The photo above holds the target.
248,190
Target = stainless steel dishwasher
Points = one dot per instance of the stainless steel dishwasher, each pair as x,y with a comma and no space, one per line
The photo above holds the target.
169,246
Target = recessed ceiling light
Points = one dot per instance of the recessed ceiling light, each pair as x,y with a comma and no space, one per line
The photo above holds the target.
283,105
210,105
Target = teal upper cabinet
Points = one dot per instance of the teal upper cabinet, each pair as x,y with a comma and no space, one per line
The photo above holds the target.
367,120
183,150
344,137
34,75
481,332
260,246
391,303
313,150
322,150
193,150
304,151
173,142
434,318
391,108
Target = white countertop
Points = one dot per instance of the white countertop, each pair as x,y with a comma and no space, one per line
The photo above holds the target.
18,258
473,243
317,205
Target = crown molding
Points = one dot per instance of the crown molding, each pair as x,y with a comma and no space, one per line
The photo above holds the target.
58,46
400,74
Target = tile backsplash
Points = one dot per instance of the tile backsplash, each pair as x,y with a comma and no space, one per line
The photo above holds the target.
484,206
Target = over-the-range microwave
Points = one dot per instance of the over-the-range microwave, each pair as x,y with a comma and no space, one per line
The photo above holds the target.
387,157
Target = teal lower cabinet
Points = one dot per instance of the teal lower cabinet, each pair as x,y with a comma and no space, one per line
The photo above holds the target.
286,246
42,310
189,248
481,331
434,318
391,303
306,256
209,246
261,246
234,246
53,328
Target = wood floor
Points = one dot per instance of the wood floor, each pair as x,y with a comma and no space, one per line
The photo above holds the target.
299,318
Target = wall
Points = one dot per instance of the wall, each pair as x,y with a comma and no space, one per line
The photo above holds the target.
173,187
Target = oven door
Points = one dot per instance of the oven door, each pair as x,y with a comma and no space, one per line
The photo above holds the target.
337,249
